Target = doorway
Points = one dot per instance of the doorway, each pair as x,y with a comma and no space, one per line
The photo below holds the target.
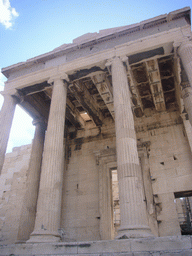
115,201
183,201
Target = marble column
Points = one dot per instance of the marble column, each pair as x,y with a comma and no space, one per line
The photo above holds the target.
185,52
134,221
48,213
6,118
188,129
148,190
28,212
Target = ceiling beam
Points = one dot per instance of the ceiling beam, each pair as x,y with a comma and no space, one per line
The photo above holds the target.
71,118
136,98
76,114
155,84
36,106
89,104
71,113
105,90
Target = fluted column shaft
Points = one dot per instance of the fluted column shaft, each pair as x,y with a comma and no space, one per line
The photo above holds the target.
6,118
188,130
48,214
134,221
185,52
28,212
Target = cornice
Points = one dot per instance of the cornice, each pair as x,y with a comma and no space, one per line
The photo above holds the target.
92,39
95,59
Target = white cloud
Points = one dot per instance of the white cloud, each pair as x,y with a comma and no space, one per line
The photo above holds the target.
7,13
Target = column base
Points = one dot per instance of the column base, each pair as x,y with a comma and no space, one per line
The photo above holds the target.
20,242
134,232
44,237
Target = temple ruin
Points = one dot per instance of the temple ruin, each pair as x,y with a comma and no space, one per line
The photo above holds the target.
110,167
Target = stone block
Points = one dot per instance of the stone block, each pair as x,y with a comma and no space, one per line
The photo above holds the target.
23,249
182,183
178,253
51,249
169,228
146,254
7,250
161,244
159,185
116,246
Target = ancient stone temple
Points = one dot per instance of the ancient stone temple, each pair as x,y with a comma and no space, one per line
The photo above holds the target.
109,170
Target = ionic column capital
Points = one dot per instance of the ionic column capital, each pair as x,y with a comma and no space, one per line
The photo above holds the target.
108,65
186,94
63,77
183,116
185,85
184,45
8,96
178,43
185,53
186,91
40,121
124,59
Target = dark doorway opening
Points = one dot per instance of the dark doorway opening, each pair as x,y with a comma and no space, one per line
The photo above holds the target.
115,203
183,202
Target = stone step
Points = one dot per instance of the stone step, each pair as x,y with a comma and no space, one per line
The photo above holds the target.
159,246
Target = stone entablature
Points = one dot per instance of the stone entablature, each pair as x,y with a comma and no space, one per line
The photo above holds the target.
117,36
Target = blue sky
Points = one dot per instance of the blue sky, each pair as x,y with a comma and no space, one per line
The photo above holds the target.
29,28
